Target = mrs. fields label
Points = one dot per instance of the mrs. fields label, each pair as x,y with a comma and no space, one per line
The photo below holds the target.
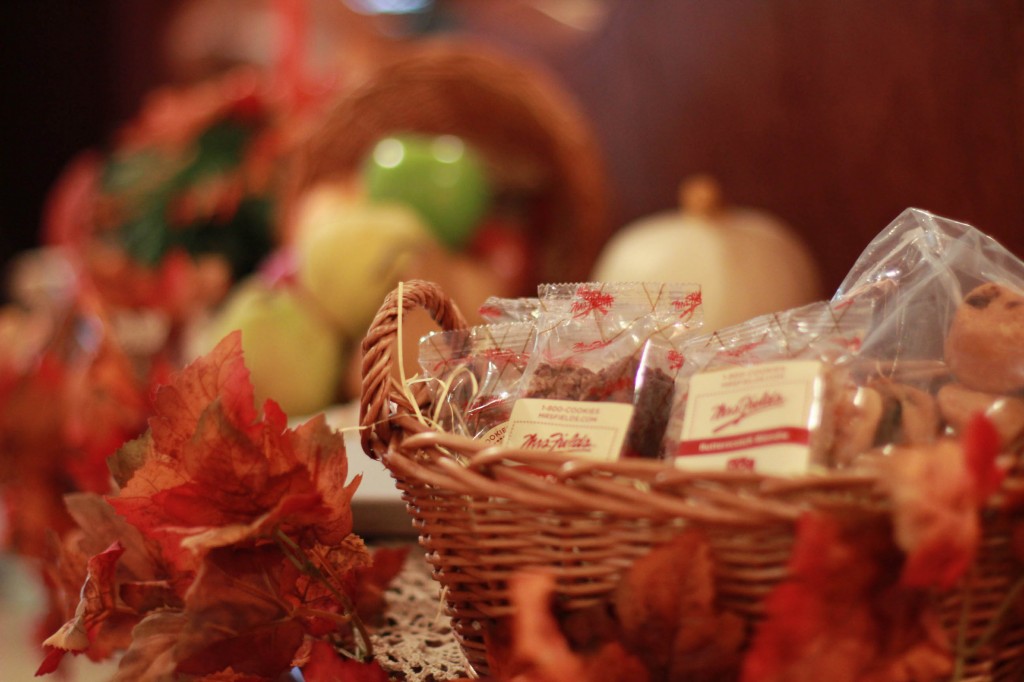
756,418
587,429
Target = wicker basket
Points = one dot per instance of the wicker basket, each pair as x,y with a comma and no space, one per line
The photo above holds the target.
538,145
483,522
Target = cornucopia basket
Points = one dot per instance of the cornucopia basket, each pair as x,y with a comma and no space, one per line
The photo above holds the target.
481,518
539,147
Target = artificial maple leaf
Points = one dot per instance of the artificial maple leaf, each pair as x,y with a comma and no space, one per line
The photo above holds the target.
61,416
325,665
98,603
31,500
105,400
150,657
239,531
231,627
235,617
179,287
311,495
212,474
666,607
842,615
935,512
220,375
319,586
229,675
981,444
32,455
99,525
366,584
534,648
141,581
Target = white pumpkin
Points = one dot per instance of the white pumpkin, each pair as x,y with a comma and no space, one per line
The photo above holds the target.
747,262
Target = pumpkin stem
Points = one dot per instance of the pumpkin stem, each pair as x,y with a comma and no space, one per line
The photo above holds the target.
700,196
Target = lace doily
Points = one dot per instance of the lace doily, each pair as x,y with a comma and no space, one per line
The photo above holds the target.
416,642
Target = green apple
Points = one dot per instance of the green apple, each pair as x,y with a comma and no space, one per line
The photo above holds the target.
440,177
293,354
350,254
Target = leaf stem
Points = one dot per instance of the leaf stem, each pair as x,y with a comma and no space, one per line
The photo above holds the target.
300,559
340,619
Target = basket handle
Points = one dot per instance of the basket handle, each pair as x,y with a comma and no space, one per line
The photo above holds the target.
381,399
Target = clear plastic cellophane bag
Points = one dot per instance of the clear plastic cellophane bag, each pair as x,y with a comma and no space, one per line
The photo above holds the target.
497,309
475,373
575,342
936,335
771,394
590,338
947,334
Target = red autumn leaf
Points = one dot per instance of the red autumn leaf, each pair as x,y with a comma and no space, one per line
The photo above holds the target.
666,609
150,657
220,376
935,512
234,624
32,456
105,399
212,472
234,617
153,655
325,665
537,651
99,525
98,603
67,212
229,675
981,444
61,416
31,502
141,581
324,590
237,531
366,585
842,615
51,661
178,287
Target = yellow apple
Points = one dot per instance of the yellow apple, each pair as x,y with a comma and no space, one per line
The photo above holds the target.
350,254
293,354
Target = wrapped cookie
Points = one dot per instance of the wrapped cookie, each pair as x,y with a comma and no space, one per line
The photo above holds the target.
985,343
957,404
947,335
771,395
918,272
581,379
590,336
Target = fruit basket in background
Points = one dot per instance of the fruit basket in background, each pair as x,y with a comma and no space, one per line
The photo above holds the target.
543,160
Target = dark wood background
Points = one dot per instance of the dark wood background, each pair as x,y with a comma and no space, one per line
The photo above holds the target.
833,115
